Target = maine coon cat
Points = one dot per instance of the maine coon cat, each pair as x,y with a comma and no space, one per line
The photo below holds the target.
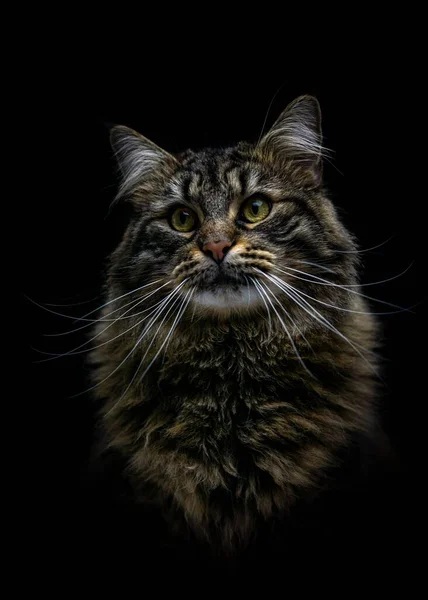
235,353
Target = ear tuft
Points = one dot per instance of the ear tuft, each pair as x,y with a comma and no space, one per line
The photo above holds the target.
297,134
138,158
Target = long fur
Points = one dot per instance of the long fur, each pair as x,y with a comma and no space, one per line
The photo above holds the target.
226,415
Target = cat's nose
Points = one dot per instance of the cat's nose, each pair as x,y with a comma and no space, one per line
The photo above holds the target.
217,250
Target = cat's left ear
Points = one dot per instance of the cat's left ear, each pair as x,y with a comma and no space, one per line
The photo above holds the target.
297,134
140,160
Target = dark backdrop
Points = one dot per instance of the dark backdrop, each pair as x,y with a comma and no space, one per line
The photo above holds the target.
369,121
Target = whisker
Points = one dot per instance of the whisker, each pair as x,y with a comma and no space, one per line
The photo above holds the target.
267,113
323,321
118,298
348,310
58,314
181,313
135,302
154,337
294,323
358,285
131,352
73,303
345,288
319,266
284,326
248,287
264,302
366,249
77,351
288,290
194,309
147,350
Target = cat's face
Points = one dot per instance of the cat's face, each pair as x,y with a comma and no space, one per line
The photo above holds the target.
216,223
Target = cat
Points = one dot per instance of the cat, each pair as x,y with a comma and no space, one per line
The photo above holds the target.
235,358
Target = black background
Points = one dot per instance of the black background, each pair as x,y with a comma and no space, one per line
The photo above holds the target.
369,120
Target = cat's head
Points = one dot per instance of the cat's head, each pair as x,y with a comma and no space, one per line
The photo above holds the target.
226,226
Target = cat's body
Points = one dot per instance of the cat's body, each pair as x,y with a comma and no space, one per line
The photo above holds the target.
257,371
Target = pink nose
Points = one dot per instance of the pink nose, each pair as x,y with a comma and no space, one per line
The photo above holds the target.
217,250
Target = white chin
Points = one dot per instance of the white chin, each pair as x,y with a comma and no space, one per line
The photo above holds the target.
225,298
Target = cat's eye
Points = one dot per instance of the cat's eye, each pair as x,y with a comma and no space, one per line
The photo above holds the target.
255,209
183,219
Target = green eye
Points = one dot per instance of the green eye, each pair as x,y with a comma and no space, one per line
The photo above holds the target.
255,209
183,219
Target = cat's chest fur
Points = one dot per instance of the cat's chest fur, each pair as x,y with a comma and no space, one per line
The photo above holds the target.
228,420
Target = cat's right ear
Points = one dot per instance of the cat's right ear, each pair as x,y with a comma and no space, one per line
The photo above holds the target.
140,160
